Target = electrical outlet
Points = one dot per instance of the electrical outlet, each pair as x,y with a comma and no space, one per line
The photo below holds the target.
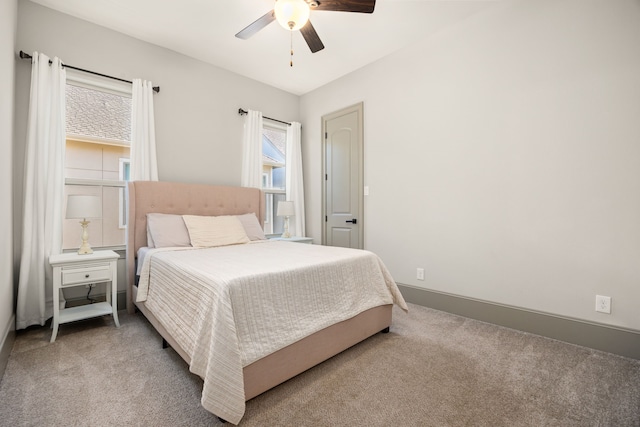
420,274
603,304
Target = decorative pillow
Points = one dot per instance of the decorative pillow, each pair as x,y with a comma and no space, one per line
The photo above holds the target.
252,226
167,230
210,231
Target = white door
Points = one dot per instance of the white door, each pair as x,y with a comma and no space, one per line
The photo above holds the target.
343,166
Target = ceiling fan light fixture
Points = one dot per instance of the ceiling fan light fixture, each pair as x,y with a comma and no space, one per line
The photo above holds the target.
292,14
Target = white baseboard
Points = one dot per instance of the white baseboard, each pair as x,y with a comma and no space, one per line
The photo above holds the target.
8,338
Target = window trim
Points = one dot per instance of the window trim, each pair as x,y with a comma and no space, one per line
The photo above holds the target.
95,182
95,140
122,211
77,78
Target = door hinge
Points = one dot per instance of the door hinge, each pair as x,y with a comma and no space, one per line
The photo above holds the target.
326,176
326,135
325,218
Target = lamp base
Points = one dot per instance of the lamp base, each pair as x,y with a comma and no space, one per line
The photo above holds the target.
85,248
286,233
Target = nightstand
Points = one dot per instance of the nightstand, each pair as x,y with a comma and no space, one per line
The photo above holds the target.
294,239
71,269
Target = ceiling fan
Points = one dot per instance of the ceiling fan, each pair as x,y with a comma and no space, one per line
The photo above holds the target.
294,15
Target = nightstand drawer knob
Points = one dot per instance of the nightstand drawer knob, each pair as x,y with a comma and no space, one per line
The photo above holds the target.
86,276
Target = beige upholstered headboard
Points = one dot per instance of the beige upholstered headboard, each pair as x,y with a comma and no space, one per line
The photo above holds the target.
181,199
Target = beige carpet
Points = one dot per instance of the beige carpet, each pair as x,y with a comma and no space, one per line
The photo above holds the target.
433,369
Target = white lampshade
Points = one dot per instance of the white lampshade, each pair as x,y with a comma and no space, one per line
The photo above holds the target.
285,209
83,206
292,14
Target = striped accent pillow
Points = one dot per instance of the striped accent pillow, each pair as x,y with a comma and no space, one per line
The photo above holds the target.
210,231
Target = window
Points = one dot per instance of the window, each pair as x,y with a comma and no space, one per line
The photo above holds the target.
274,166
97,156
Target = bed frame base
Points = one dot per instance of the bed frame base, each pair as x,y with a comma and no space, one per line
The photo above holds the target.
296,358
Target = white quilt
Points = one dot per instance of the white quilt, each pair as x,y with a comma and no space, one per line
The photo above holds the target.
230,306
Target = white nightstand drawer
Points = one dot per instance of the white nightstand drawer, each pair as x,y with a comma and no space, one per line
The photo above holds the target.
93,274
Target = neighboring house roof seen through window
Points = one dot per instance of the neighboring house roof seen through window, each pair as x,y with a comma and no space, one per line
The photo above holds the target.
273,147
98,115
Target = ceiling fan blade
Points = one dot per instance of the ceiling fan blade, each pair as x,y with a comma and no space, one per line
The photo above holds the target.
311,37
257,25
361,6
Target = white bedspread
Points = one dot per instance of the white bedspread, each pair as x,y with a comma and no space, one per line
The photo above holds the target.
230,306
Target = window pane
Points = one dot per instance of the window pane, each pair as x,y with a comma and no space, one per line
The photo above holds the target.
98,114
274,157
105,231
273,224
71,230
112,233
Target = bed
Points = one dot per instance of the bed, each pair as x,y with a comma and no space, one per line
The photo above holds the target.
237,356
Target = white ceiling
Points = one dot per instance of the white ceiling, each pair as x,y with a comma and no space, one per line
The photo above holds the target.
205,29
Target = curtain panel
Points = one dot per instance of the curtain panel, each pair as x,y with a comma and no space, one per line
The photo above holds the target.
144,164
43,191
294,179
252,150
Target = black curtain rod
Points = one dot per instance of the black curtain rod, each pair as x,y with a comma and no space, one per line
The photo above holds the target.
243,112
24,55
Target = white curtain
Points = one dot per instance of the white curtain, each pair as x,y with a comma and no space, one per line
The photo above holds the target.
294,180
252,150
144,165
43,191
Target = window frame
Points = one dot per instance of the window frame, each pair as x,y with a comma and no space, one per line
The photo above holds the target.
97,83
270,192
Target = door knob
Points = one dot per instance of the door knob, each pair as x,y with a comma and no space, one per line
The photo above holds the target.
353,221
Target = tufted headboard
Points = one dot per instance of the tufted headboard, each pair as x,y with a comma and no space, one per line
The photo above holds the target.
180,198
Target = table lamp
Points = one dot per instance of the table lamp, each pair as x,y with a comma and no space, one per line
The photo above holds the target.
83,206
286,209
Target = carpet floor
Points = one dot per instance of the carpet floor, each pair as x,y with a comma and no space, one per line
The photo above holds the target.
432,369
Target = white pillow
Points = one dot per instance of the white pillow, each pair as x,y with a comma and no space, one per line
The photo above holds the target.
166,230
150,243
252,226
210,231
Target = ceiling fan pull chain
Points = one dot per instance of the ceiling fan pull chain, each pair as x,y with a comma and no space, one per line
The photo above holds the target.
291,60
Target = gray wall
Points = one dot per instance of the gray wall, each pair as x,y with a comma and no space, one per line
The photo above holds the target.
198,130
503,157
8,20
